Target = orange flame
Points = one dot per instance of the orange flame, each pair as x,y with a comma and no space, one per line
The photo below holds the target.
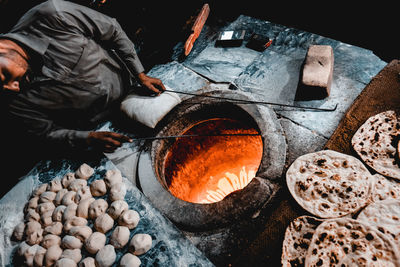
229,184
207,169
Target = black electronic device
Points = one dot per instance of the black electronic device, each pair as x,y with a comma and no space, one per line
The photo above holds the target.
258,42
230,38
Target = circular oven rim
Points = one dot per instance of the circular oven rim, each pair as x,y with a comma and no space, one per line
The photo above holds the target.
261,188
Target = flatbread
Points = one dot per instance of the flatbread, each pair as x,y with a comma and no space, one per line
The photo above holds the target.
349,242
385,216
385,188
329,184
297,239
376,143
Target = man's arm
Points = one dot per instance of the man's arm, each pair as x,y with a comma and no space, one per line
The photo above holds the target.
32,121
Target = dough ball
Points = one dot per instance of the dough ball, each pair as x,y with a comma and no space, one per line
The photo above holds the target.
83,193
81,232
18,232
65,262
103,223
32,215
70,212
74,221
39,190
140,244
33,203
52,255
106,256
59,196
58,213
129,218
95,242
112,177
55,228
117,192
51,240
117,208
68,198
98,188
73,254
76,184
39,256
88,262
129,260
54,185
71,242
84,171
97,207
33,233
47,196
29,254
46,218
120,236
45,207
83,207
67,179
22,247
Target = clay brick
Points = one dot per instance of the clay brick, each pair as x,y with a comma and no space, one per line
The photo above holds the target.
317,71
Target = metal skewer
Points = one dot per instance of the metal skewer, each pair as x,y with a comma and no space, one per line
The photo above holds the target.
240,101
188,136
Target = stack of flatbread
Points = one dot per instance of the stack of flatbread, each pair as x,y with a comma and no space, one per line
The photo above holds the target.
357,214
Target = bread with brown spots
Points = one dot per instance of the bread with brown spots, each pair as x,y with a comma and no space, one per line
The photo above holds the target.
385,216
376,143
349,242
297,240
385,188
329,184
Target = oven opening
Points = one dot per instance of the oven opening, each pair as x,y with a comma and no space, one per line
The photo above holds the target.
207,168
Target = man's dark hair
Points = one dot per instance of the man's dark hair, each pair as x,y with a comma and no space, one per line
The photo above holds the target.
15,56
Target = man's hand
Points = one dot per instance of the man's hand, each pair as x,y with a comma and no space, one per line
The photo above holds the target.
151,83
107,141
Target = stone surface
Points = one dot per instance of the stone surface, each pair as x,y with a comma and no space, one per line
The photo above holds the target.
271,77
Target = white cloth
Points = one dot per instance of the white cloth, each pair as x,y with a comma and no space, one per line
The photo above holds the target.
149,110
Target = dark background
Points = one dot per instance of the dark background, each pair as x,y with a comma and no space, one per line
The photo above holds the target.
156,27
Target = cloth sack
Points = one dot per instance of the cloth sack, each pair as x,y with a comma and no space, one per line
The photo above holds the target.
149,110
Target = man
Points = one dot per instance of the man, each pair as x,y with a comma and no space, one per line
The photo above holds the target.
68,65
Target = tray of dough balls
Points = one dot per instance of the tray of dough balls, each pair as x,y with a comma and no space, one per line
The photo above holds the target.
89,217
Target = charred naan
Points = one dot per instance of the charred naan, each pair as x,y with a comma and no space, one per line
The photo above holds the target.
349,242
329,184
385,216
376,142
385,188
298,236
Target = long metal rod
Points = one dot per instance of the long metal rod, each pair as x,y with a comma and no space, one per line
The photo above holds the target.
240,101
188,136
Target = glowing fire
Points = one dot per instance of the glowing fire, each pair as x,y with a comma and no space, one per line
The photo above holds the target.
208,168
228,184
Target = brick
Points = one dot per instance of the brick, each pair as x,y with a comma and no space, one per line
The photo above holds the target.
317,71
